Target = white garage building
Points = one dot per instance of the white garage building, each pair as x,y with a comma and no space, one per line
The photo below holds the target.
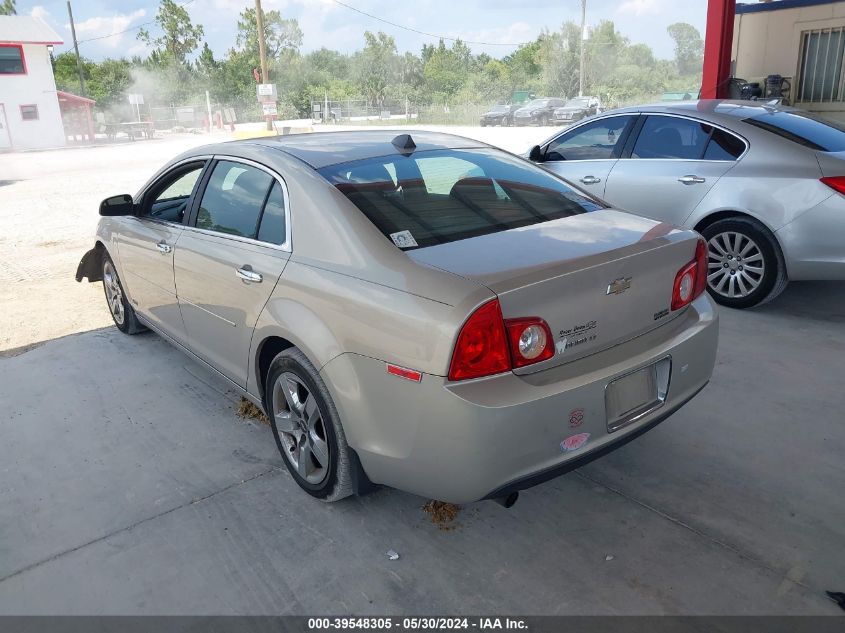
30,117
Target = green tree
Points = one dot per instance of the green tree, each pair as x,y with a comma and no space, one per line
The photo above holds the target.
376,66
280,35
689,48
7,7
179,36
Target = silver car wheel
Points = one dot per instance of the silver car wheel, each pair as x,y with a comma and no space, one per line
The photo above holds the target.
114,294
301,428
735,265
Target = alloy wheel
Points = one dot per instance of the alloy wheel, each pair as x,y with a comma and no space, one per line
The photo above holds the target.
114,293
735,265
301,427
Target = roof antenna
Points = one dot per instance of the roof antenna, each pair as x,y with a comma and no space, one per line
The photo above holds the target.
405,144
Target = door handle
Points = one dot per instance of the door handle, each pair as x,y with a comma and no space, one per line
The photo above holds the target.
164,248
691,180
590,180
249,275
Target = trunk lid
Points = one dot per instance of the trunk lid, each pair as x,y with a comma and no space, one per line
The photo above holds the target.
597,279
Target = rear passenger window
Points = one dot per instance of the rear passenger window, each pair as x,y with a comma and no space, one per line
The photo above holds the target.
233,199
724,146
671,137
273,229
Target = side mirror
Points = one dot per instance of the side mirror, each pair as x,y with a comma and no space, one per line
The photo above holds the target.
536,154
118,205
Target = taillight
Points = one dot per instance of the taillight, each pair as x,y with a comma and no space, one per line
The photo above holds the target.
488,344
837,183
482,347
530,339
691,280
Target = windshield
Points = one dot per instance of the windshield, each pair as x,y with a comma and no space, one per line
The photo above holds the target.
804,128
537,103
577,103
439,196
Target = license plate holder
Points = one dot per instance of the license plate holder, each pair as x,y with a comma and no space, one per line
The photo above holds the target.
636,394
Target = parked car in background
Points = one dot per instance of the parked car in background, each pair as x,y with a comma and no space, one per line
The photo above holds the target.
576,109
538,111
403,307
499,115
763,184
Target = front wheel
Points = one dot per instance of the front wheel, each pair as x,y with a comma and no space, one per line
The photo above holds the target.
122,312
306,426
744,265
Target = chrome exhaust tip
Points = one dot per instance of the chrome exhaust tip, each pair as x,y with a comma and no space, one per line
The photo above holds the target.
508,500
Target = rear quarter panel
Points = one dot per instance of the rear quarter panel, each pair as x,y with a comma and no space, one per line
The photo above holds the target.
775,182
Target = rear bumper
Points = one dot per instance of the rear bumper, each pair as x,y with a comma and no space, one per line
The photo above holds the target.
461,442
812,243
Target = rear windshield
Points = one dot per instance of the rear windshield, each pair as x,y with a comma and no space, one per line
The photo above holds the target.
439,196
803,128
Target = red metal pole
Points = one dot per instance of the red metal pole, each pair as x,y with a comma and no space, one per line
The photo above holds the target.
718,43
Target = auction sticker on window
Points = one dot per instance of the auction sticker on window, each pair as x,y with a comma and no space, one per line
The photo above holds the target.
403,239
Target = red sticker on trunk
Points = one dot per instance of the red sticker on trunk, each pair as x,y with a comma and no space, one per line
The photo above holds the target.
574,442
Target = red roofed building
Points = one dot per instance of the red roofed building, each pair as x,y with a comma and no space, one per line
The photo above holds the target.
30,116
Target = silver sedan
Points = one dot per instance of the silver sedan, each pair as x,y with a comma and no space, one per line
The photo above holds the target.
763,184
428,313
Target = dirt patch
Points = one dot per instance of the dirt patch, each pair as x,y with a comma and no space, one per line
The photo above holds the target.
442,514
247,409
49,243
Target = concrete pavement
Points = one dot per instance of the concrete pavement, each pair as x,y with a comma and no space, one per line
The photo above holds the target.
129,486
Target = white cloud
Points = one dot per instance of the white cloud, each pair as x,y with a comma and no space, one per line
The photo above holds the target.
40,12
105,25
639,7
516,33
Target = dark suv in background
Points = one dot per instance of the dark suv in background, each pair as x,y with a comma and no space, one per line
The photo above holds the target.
499,115
538,111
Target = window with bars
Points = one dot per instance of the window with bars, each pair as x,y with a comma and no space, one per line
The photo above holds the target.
822,56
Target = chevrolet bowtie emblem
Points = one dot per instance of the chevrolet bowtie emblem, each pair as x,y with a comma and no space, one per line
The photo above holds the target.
618,286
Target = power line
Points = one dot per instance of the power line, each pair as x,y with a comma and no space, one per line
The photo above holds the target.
131,28
413,30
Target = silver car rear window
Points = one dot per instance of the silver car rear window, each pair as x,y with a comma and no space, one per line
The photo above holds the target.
439,196
803,128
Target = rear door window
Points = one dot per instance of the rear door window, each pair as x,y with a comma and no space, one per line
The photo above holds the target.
665,137
233,199
272,228
724,146
438,196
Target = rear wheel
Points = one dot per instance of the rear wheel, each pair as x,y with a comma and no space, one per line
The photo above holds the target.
122,312
306,426
744,264
505,121
544,119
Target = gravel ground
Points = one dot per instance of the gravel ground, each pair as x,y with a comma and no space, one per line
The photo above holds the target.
48,217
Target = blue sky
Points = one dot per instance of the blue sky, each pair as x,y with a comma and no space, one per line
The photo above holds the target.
325,23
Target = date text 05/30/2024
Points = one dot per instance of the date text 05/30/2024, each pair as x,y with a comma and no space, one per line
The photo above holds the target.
417,624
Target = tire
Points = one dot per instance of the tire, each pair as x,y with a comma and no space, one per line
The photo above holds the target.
506,122
483,123
743,249
314,451
122,313
544,120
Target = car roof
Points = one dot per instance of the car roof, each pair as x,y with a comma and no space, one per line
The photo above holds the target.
715,109
321,149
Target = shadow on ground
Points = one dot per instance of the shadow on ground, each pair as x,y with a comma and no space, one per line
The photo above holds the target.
130,486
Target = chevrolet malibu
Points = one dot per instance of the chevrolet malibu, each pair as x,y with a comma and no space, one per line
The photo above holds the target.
427,312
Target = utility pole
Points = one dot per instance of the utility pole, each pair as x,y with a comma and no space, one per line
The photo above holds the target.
583,47
262,50
76,48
